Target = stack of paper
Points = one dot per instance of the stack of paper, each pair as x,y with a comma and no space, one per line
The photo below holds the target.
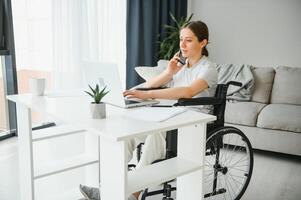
155,114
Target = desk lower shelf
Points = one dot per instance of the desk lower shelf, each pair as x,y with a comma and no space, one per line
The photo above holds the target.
64,165
158,173
72,194
56,131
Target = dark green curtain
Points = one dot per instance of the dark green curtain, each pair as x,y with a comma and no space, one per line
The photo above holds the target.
145,20
1,25
8,55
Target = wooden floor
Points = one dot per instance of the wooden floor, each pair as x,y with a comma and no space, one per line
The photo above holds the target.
275,176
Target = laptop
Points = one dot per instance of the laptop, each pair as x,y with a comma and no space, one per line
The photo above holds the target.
107,74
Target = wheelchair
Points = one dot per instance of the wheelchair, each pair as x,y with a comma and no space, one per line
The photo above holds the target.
229,155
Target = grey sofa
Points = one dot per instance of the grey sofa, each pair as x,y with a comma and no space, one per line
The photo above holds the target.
272,119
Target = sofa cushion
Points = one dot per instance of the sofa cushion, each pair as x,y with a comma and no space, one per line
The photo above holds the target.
263,82
286,86
280,116
244,113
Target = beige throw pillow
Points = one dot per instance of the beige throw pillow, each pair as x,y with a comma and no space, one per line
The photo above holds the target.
286,87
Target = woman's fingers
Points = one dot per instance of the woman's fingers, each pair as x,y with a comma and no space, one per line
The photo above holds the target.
176,57
130,93
130,96
174,60
127,92
177,54
136,94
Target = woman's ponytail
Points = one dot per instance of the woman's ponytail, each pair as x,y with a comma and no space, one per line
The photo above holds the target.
205,51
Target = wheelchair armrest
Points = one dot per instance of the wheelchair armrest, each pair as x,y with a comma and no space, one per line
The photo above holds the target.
151,88
239,84
199,101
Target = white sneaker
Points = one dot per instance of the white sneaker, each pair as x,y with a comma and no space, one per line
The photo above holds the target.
92,193
132,197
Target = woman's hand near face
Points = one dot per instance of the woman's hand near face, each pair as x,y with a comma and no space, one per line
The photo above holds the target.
166,76
137,94
174,65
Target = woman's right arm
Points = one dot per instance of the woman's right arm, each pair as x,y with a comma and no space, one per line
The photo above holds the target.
166,75
159,80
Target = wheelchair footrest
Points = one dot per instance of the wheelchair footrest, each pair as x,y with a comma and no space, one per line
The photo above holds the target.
220,191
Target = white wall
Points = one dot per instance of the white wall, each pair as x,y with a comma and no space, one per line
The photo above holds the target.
257,32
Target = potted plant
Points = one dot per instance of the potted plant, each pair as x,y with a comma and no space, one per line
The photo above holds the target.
170,44
97,107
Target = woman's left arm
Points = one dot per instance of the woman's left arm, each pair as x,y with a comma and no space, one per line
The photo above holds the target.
196,87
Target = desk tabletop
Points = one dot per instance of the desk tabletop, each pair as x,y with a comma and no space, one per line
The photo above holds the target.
116,126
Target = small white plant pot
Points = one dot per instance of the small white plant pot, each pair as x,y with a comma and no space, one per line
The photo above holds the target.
98,111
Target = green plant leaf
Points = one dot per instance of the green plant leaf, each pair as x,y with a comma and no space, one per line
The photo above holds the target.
102,91
103,94
97,89
174,19
96,94
169,45
97,98
89,94
92,89
189,18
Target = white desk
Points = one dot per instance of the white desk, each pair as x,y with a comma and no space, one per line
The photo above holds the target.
116,182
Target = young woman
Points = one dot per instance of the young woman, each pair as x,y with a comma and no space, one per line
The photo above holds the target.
196,78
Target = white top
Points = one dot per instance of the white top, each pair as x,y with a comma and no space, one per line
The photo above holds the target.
203,69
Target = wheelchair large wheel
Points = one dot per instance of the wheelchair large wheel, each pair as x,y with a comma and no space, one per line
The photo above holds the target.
228,164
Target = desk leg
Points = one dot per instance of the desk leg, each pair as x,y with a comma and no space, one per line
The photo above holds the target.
113,170
25,153
191,146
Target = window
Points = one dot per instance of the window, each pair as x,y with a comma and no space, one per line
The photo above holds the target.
33,44
51,40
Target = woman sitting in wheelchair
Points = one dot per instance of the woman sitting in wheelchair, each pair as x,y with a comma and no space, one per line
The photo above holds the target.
189,74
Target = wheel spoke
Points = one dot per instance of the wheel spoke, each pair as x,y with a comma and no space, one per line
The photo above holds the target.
233,177
228,190
235,182
240,160
222,155
233,168
238,166
229,160
231,187
233,154
227,150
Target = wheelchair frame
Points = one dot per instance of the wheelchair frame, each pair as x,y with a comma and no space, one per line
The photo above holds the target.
216,149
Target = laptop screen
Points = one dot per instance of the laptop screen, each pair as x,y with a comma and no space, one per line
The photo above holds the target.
105,74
